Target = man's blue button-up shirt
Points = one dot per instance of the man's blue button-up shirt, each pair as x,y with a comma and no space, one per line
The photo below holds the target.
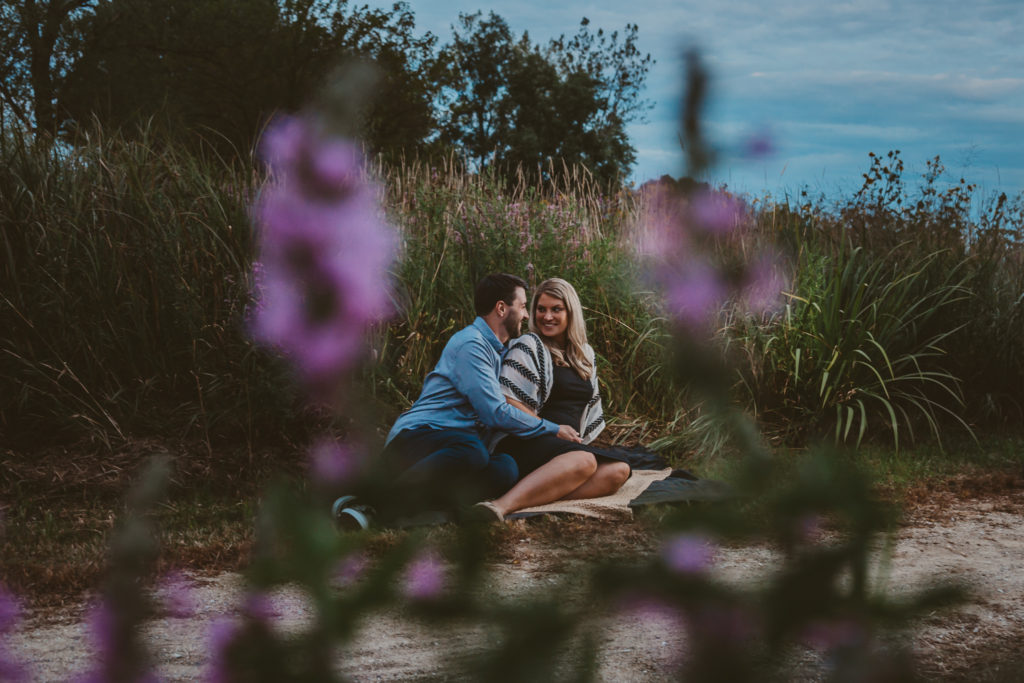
462,391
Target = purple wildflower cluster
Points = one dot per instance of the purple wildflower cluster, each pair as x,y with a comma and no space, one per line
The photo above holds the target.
324,251
677,239
719,629
758,144
834,634
10,614
688,553
116,656
226,635
650,610
424,576
332,463
176,596
528,225
351,568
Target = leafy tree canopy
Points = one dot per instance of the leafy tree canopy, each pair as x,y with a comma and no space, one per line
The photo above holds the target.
221,68
510,102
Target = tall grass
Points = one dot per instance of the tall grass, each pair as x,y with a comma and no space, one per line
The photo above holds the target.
457,227
125,275
125,279
856,344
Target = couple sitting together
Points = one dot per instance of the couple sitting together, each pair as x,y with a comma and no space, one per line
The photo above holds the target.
504,420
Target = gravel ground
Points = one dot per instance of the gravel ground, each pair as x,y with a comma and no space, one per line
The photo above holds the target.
980,540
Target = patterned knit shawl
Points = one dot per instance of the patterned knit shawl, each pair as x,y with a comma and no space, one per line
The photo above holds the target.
527,374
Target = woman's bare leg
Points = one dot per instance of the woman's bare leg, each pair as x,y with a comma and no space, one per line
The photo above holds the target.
609,478
549,482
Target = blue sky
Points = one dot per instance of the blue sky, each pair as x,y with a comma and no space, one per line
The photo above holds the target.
829,81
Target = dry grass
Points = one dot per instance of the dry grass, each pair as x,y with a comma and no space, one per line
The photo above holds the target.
60,506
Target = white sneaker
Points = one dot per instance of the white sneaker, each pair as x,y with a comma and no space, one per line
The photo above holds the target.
349,516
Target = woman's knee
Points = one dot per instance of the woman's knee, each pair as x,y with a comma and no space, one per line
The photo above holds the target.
584,464
617,473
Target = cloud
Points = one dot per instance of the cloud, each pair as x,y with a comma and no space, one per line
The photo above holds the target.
852,130
833,79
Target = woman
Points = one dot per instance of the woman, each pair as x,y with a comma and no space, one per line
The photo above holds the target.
550,372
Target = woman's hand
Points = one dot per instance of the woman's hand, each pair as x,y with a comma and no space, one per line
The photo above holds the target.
569,434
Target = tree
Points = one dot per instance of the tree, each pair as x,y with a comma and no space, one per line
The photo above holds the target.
188,65
476,86
400,117
511,103
39,42
221,67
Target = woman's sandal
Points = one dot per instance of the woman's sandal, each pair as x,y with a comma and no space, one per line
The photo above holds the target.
485,511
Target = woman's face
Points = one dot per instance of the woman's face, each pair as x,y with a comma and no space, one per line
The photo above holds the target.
551,318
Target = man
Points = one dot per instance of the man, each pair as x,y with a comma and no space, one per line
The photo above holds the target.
440,441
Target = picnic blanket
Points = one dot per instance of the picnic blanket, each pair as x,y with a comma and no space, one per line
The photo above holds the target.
615,506
652,482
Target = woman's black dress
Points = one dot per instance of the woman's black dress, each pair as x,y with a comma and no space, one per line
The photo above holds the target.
570,394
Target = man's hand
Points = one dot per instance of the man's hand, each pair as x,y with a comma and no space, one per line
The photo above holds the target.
569,434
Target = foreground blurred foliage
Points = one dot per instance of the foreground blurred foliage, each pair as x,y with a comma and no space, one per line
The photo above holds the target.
90,324
824,609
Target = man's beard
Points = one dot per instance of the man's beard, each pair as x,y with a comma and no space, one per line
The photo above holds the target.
513,329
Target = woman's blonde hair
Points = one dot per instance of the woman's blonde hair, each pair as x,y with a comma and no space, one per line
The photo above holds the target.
575,330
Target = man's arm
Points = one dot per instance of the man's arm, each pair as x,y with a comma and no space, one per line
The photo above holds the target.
564,431
474,378
522,406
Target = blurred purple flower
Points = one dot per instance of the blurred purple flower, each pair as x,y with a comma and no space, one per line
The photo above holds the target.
688,553
655,616
222,635
324,249
10,669
351,568
758,145
334,165
716,212
258,607
662,234
764,286
424,577
114,658
809,528
103,630
225,633
723,624
332,463
693,292
10,610
833,634
176,596
10,614
651,610
692,287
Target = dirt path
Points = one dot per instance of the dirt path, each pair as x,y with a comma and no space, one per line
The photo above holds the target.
981,540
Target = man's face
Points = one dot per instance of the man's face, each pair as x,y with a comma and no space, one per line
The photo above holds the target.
516,313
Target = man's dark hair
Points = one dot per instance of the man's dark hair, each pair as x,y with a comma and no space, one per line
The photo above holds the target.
493,288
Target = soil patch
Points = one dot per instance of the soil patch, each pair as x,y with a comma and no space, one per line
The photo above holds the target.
967,529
